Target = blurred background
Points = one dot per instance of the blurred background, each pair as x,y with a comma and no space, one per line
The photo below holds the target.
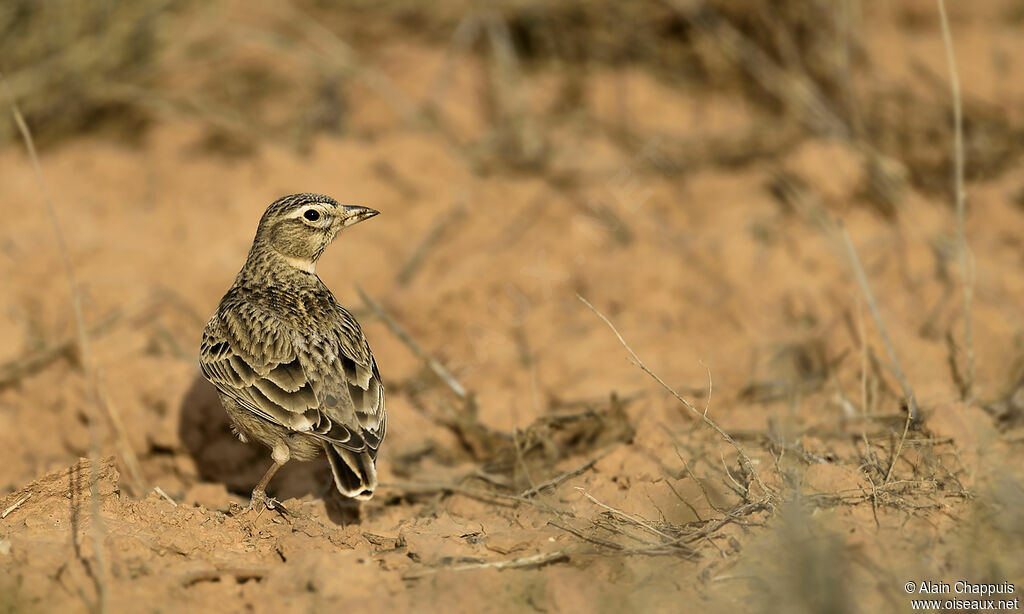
689,167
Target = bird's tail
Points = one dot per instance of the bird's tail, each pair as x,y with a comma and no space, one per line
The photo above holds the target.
355,473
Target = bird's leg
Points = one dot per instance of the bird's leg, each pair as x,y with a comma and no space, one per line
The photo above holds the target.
259,493
280,453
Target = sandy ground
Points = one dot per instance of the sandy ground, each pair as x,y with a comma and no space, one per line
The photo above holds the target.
736,297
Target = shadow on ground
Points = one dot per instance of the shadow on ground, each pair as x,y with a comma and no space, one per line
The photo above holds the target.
221,458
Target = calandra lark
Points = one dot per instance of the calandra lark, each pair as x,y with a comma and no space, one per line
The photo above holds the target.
292,366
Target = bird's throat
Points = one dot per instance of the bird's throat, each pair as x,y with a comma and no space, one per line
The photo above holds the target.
302,264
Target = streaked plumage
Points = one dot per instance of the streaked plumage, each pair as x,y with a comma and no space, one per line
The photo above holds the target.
292,366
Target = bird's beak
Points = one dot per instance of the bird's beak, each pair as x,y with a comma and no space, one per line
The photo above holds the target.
353,214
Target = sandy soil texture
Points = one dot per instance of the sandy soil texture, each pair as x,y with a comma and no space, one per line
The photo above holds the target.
546,471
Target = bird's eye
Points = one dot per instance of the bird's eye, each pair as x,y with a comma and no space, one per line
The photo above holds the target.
312,215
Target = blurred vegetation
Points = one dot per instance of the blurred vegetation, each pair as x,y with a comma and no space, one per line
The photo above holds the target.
64,61
283,73
802,567
992,538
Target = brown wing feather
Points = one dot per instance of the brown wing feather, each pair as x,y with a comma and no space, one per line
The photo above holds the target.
351,393
325,382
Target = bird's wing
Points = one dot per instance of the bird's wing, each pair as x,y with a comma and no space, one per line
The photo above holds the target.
313,383
347,382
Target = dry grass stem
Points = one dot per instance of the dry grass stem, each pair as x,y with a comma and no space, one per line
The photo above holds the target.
862,280
131,461
748,464
337,51
588,538
863,339
15,370
432,363
526,562
562,477
99,572
960,199
699,483
796,90
15,506
634,519
672,545
899,449
442,224
463,36
162,493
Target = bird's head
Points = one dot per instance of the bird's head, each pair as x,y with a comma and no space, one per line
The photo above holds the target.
299,227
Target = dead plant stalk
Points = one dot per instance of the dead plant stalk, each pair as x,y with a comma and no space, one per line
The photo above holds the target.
526,562
960,199
702,415
432,363
14,506
908,392
99,573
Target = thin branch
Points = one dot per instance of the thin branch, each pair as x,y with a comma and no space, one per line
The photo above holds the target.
558,479
520,461
432,363
83,348
344,57
728,474
443,223
702,415
588,538
526,562
634,519
960,198
862,280
674,544
863,338
696,481
163,493
899,450
13,371
15,506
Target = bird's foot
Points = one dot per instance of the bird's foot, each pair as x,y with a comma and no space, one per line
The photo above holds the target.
260,500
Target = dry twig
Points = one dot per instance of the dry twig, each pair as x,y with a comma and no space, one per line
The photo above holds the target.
526,562
899,449
960,198
794,89
702,415
558,479
908,393
15,506
429,241
163,493
14,370
432,363
634,519
99,573
862,280
337,52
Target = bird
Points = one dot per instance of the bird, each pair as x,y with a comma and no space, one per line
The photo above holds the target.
291,366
